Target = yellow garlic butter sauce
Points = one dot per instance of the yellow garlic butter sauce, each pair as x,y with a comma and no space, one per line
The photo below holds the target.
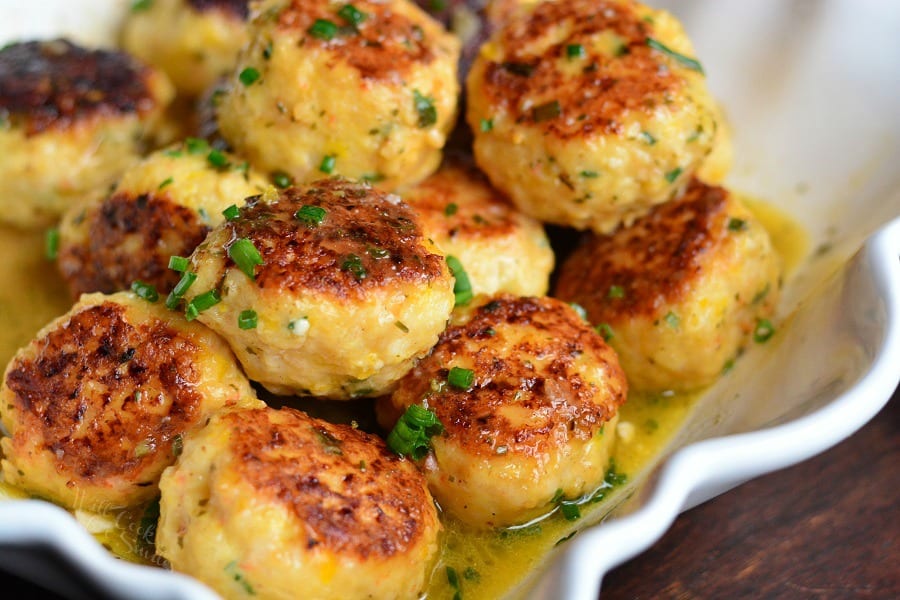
487,564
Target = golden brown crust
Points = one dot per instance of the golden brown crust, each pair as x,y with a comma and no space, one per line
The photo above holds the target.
238,9
131,238
56,84
637,270
366,240
386,45
105,396
594,99
353,495
535,375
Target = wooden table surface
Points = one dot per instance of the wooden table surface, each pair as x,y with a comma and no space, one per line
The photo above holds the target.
828,528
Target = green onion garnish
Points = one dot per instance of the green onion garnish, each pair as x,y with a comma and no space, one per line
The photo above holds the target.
166,182
451,209
685,61
231,213
589,174
486,125
736,224
179,263
353,263
461,378
605,330
310,215
196,145
570,511
546,111
615,291
180,289
145,290
575,51
200,303
672,175
218,159
327,164
352,15
672,319
245,256
249,76
51,244
425,108
281,179
247,319
411,435
323,29
763,331
580,310
462,287
141,5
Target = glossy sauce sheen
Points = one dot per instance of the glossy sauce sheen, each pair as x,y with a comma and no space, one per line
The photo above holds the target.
489,564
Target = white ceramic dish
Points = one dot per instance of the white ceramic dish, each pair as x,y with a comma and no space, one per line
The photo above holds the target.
810,89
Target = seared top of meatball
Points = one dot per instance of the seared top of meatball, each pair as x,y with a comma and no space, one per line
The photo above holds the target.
236,8
352,493
653,263
375,39
336,236
575,68
529,379
58,84
144,373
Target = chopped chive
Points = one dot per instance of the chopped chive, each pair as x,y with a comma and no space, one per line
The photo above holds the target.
180,289
323,29
352,15
580,310
453,580
247,319
451,209
605,331
218,159
145,290
200,303
648,137
424,106
141,5
196,145
353,263
546,111
575,51
245,256
167,181
231,213
281,179
174,153
763,331
310,215
249,76
672,319
327,164
570,511
615,291
461,378
51,244
589,174
179,263
377,252
672,175
462,287
486,125
267,51
372,177
401,326
685,61
735,224
235,573
412,432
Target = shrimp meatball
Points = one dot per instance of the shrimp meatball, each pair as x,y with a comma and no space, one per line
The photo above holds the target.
194,42
501,249
366,90
330,290
96,406
681,291
161,207
528,396
71,120
266,503
587,113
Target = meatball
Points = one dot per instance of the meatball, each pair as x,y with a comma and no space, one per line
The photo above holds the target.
71,120
330,290
162,206
96,406
501,249
193,41
587,113
681,291
528,395
266,503
367,90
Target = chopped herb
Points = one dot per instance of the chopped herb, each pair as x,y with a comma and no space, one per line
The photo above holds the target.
728,366
648,137
411,435
615,291
606,331
424,106
179,263
353,263
401,326
462,287
451,209
231,213
763,331
377,252
672,319
471,574
735,224
570,511
245,256
235,573
247,319
218,159
145,291
685,61
546,111
200,303
178,292
453,580
167,181
174,153
51,244
486,125
323,29
144,447
330,444
590,174
352,15
575,51
461,378
372,177
141,5
249,76
327,164
580,310
177,445
196,145
672,175
146,533
267,51
310,215
281,179
437,5
760,295
613,477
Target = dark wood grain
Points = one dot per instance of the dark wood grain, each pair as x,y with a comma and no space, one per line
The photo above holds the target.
828,528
